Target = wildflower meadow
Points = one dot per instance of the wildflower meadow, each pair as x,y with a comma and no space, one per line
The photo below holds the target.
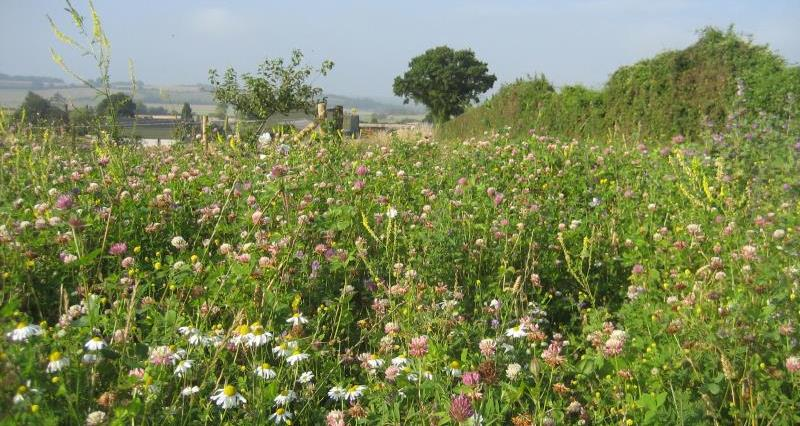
495,280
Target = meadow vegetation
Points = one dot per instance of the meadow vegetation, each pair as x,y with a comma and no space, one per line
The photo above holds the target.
517,277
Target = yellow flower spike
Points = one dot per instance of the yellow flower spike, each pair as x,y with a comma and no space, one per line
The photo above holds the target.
30,264
137,249
194,258
157,266
130,272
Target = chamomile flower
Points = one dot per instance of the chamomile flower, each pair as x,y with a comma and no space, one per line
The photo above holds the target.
399,361
297,319
265,371
281,415
57,362
190,390
23,331
285,349
284,398
373,361
96,343
516,332
240,335
337,393
23,393
228,397
454,369
183,366
354,392
257,336
306,377
296,357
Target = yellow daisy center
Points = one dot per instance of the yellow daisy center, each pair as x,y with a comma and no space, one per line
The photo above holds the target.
455,365
243,329
22,389
229,390
96,339
21,324
55,356
280,411
266,366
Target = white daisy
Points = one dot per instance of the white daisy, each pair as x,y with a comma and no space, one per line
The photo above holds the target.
23,331
399,361
373,361
306,377
296,357
57,362
257,336
183,366
90,358
454,369
354,392
337,393
281,415
190,390
23,391
188,331
516,332
265,371
284,398
285,349
297,319
96,343
227,397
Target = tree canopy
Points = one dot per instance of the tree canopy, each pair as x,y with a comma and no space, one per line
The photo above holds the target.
38,109
280,86
118,105
444,80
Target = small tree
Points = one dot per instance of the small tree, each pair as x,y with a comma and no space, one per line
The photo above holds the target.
444,80
117,105
278,87
186,113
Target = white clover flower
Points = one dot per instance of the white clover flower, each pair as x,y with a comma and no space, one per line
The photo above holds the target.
513,370
265,371
96,343
23,331
95,418
227,397
179,243
57,362
391,213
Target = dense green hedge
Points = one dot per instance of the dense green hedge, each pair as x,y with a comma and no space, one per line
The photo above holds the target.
676,92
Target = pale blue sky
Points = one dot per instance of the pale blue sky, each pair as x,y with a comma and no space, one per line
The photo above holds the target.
578,41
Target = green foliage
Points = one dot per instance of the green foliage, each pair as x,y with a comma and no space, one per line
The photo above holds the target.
117,105
37,109
279,87
445,80
677,92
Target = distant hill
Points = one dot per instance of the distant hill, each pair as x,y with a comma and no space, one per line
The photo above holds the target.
676,92
14,88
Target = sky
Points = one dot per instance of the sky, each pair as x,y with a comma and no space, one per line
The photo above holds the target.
371,42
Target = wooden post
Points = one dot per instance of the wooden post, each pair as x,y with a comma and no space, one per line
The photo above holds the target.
322,108
204,124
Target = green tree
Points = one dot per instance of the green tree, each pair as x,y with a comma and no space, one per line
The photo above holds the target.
278,87
38,109
117,105
186,113
444,80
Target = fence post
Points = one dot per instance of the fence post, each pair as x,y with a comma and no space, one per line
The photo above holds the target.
204,124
